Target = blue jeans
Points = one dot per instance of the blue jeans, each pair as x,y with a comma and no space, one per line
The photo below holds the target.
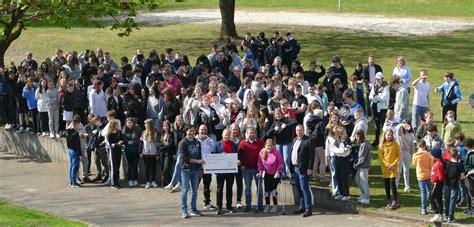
285,151
462,191
73,166
450,197
187,177
332,168
425,186
177,171
249,175
302,184
418,112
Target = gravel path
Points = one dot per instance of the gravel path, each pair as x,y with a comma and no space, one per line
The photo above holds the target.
377,24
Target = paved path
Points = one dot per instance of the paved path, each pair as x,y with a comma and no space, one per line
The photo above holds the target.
43,186
393,26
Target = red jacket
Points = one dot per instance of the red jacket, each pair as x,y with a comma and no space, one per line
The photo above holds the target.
438,174
248,153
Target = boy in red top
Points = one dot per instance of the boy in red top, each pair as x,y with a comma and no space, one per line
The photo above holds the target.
447,152
438,174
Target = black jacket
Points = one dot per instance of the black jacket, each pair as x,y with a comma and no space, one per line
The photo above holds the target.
305,155
366,70
172,109
317,129
117,106
73,141
282,136
210,121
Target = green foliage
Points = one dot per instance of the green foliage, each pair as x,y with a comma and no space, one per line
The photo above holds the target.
12,215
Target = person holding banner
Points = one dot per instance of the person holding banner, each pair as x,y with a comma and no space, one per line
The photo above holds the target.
207,147
225,146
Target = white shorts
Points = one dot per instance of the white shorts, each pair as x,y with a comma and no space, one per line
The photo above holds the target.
67,115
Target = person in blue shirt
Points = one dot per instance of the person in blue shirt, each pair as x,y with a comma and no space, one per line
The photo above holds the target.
451,94
348,98
29,94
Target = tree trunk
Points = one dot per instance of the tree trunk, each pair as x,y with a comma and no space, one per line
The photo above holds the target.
3,50
227,8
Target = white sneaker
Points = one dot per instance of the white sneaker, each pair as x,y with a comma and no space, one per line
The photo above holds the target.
169,186
345,198
8,126
274,209
267,209
147,185
57,135
239,205
176,188
364,201
154,184
436,218
51,135
135,183
44,134
338,197
407,190
130,183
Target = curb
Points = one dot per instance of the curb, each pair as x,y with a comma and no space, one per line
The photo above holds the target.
401,216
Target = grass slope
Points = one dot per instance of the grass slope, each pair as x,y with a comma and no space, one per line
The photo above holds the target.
438,54
416,8
12,215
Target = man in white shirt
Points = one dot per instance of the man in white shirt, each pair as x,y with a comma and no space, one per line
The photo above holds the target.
97,100
313,95
421,101
207,147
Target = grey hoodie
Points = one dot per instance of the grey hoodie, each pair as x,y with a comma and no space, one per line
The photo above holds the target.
53,99
363,160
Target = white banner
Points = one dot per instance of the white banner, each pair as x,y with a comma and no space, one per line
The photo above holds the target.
220,163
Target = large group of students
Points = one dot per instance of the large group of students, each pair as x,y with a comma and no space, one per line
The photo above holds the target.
284,122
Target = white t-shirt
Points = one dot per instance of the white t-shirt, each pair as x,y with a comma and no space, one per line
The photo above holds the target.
422,91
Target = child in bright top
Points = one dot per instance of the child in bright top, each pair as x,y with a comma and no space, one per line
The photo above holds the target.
454,173
423,163
389,155
29,94
270,167
450,127
42,99
438,175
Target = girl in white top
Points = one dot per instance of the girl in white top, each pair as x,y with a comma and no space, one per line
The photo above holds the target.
42,100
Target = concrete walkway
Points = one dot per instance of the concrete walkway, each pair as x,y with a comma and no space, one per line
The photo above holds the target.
44,186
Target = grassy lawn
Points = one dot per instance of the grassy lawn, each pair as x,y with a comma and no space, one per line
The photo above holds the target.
12,215
438,54
417,8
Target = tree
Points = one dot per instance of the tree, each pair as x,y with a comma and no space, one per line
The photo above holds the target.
227,8
17,15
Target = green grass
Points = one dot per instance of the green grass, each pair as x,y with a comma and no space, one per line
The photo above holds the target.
453,52
418,8
12,215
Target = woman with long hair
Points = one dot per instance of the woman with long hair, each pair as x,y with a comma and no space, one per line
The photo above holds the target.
281,131
131,134
149,152
389,156
172,105
179,132
270,168
208,116
249,121
166,147
42,100
115,140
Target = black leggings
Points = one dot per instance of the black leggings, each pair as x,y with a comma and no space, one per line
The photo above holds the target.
132,170
150,167
34,117
43,122
379,119
342,174
390,184
271,185
436,197
115,158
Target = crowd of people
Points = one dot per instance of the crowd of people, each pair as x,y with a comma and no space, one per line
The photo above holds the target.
284,122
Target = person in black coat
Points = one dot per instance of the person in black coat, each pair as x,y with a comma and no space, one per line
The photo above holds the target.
115,102
132,103
73,142
172,106
303,170
167,149
208,116
369,75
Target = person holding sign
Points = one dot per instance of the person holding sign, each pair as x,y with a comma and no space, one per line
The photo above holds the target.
270,165
225,146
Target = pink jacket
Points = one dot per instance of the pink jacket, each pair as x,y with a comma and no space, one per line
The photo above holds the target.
175,84
273,164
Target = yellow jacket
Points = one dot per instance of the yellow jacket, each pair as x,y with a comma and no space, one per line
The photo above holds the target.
423,162
389,153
